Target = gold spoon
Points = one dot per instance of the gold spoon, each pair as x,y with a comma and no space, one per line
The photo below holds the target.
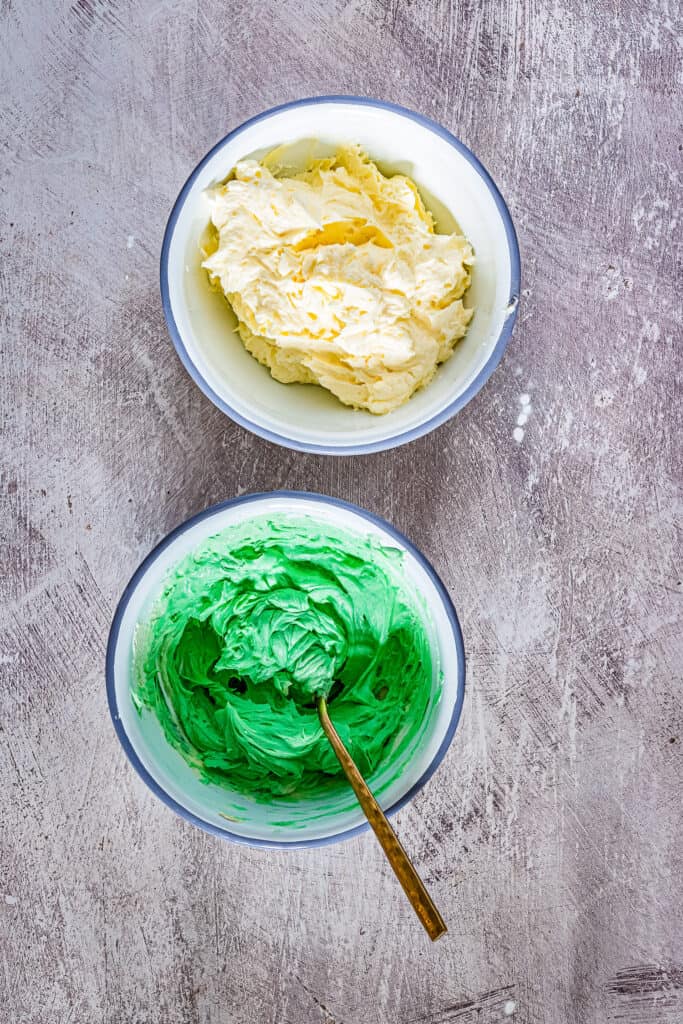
413,886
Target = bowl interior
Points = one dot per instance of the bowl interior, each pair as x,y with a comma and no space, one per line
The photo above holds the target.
453,187
233,813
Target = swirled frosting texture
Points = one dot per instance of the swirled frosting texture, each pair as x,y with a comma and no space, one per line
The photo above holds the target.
258,621
338,278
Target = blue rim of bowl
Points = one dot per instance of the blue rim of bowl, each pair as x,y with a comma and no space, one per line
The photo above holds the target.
145,775
423,428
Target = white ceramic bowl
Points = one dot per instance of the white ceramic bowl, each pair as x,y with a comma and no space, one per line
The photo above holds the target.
313,821
458,191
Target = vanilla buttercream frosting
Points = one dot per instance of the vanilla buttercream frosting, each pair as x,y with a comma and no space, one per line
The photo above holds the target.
338,277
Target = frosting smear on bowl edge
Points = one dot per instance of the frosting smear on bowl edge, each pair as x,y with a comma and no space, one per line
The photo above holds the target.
338,278
257,622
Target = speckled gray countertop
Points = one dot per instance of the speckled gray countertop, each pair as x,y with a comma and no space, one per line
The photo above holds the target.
551,833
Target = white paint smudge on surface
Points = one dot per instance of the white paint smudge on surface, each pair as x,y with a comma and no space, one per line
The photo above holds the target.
564,429
568,715
611,283
603,399
525,402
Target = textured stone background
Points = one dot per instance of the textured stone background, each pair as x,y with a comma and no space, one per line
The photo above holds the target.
551,834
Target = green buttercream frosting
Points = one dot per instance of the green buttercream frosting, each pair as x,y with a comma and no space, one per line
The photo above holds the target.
257,622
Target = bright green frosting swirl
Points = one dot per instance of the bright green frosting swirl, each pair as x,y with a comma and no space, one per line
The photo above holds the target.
256,623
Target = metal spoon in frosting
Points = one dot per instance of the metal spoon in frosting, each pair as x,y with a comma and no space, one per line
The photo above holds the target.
413,886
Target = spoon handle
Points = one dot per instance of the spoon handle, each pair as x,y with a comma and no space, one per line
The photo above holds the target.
413,886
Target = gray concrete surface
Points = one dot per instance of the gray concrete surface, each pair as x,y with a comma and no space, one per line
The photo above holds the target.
551,834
